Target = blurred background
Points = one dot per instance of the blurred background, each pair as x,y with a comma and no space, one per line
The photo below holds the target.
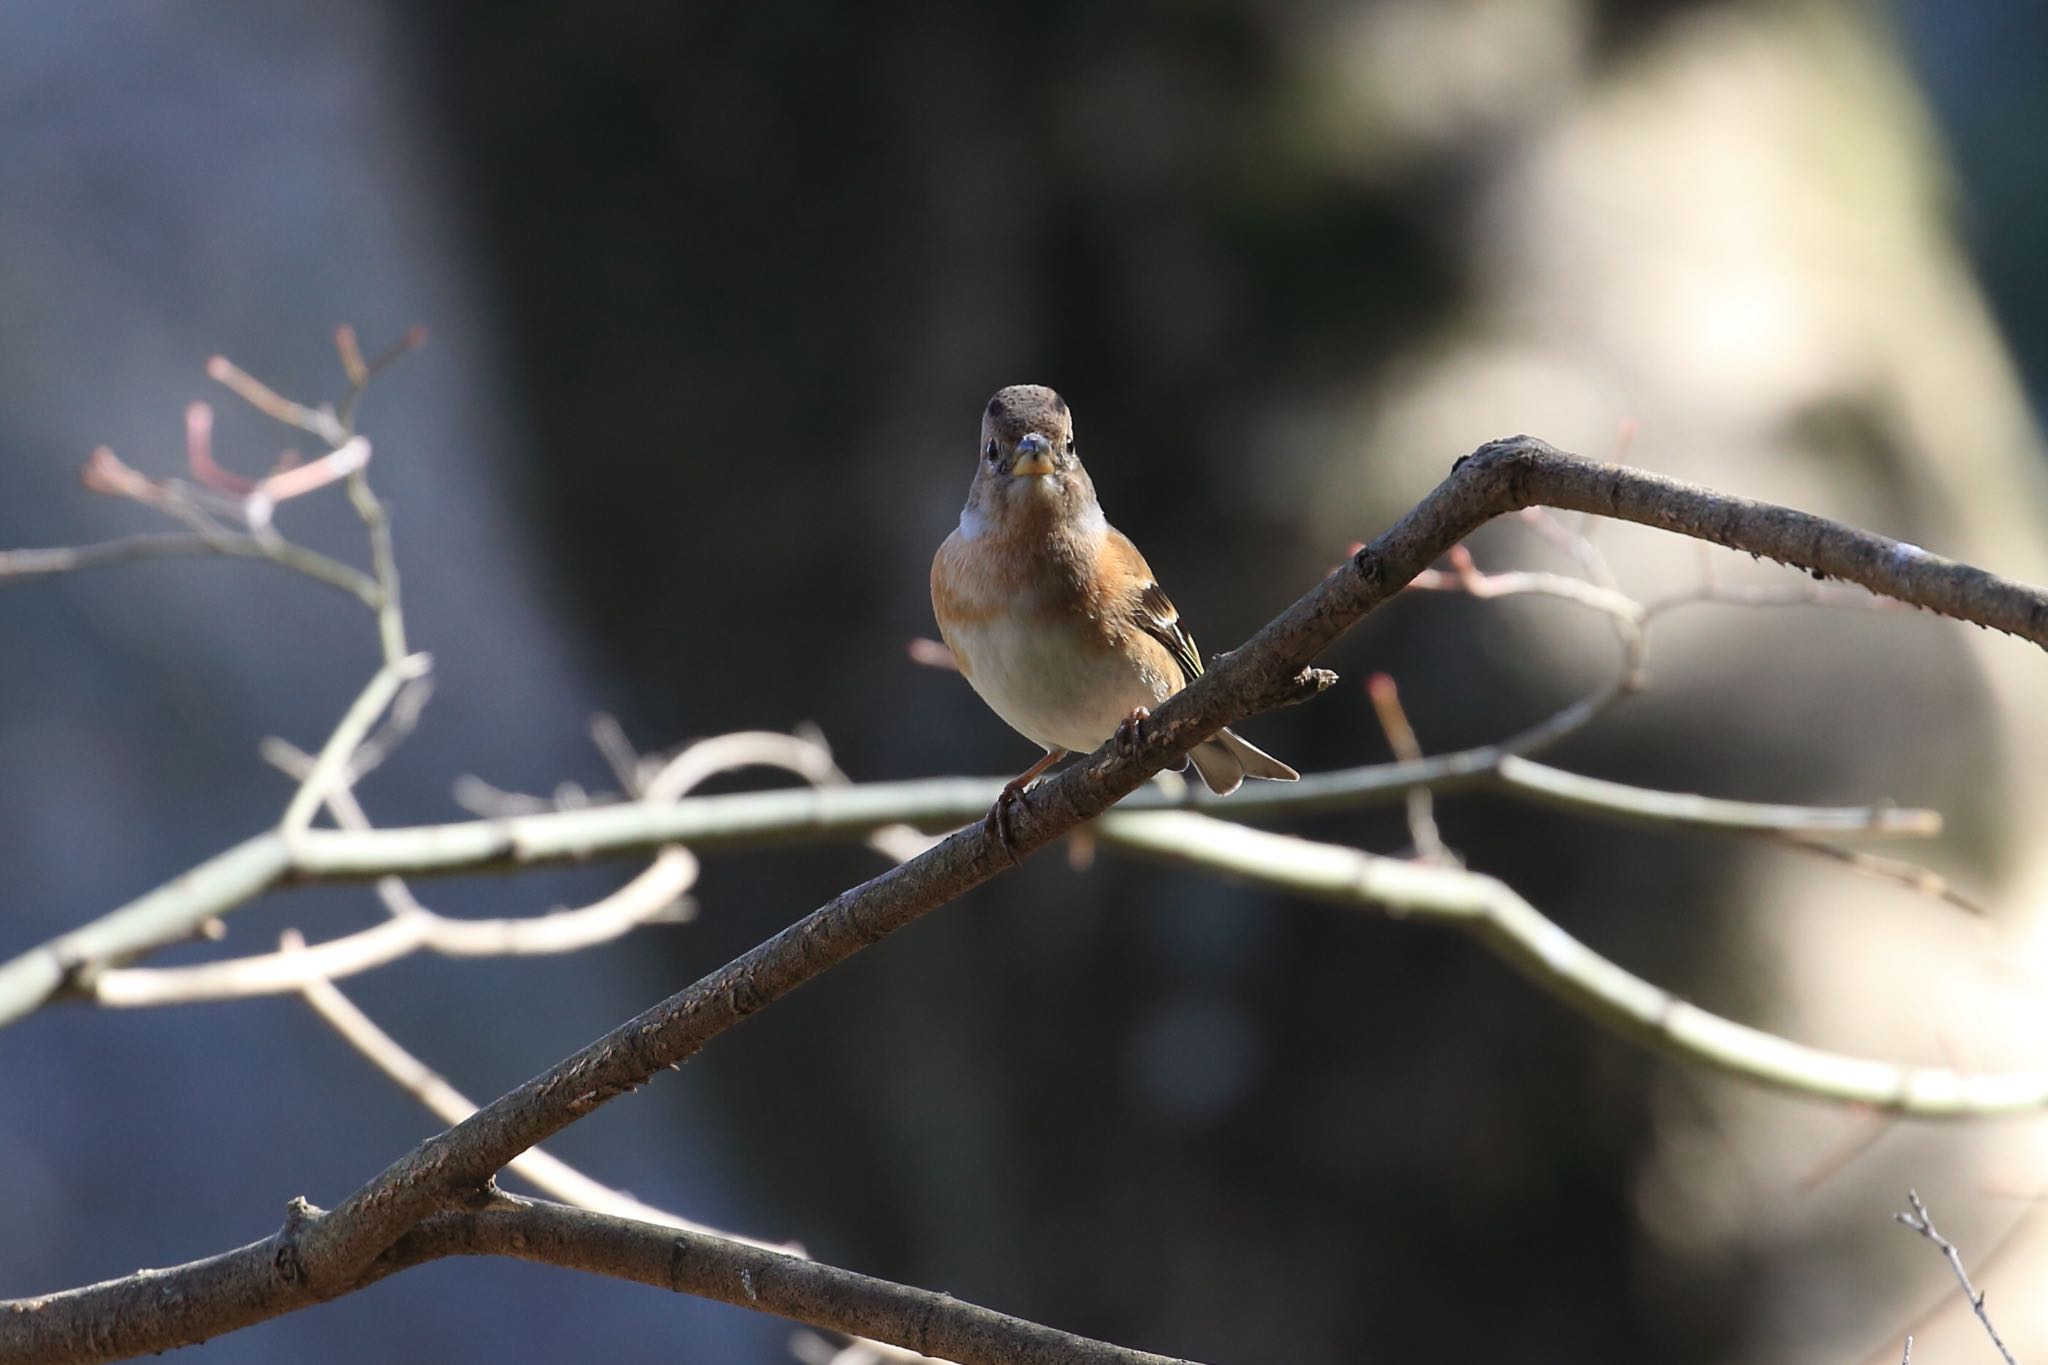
716,296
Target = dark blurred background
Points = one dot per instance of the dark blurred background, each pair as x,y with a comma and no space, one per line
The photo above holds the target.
716,296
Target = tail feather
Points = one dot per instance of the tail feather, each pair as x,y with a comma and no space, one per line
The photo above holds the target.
1226,760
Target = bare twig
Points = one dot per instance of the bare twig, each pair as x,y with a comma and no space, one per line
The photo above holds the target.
1533,944
199,454
399,722
1386,704
360,373
1912,876
1947,1305
647,897
414,928
383,562
320,421
356,723
1867,1127
1576,543
345,461
887,814
1919,1221
546,1172
21,566
650,896
1465,577
216,496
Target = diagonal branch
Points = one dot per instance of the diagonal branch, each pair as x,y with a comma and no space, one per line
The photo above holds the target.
432,1195
546,1171
1922,1222
1267,671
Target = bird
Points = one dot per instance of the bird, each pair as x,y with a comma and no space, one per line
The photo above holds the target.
1052,615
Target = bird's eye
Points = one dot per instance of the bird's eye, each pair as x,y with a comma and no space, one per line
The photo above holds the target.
1070,443
990,452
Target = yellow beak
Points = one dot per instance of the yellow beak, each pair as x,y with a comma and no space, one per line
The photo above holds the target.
1034,456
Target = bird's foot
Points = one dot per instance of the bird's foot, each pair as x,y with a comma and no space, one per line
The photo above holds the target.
1130,732
997,823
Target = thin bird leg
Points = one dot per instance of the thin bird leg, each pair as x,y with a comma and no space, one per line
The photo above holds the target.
1130,732
999,814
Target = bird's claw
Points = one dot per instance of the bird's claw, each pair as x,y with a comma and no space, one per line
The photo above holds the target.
1130,732
997,823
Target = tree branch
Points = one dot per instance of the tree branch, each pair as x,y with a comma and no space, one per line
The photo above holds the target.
439,1200
1266,671
154,1310
1533,944
77,960
1920,1221
547,1172
22,566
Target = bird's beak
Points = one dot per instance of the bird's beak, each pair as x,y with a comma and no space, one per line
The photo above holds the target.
1034,456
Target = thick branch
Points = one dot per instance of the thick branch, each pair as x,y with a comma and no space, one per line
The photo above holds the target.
154,1310
1264,672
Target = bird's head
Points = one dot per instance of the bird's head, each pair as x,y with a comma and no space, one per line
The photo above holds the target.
1027,474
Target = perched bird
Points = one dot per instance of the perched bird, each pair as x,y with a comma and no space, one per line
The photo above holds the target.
1052,614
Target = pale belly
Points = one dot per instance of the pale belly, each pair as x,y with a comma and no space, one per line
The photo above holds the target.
1051,686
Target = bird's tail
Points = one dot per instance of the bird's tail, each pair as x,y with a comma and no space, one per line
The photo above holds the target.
1228,760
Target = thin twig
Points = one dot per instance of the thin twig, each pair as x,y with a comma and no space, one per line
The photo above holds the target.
1386,704
1919,1221
887,814
547,1173
21,566
359,373
1867,1127
320,421
1535,945
356,724
1465,577
1947,1304
1912,876
383,562
345,461
649,896
346,458
1578,544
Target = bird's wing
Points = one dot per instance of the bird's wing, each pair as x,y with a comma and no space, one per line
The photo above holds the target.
1151,610
1156,614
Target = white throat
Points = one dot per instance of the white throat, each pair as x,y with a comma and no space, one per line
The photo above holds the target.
1088,522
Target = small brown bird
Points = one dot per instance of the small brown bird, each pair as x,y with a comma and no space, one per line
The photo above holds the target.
1052,614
